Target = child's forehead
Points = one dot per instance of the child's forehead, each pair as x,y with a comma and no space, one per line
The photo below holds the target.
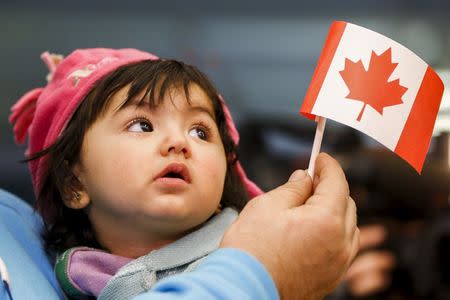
195,96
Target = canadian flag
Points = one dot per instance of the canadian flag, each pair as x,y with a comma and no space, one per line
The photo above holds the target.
375,85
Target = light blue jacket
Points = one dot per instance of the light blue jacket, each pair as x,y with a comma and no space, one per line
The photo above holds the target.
225,274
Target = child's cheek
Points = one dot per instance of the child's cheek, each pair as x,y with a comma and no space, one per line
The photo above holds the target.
214,167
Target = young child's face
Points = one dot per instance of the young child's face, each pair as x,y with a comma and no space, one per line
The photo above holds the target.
150,175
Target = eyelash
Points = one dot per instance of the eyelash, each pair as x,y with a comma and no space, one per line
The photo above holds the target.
200,124
205,127
138,119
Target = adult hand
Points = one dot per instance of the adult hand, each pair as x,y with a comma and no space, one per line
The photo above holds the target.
303,232
370,272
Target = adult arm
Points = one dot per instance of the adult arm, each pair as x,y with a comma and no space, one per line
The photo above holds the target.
28,267
225,274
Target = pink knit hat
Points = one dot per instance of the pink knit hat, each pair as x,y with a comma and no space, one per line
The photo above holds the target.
43,113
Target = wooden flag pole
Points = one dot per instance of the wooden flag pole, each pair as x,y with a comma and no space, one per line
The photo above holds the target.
316,144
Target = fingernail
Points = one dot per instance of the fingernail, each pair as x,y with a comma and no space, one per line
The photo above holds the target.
298,175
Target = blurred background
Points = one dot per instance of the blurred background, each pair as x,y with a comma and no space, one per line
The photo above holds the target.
261,56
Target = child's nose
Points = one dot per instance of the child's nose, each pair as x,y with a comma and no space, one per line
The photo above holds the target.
176,144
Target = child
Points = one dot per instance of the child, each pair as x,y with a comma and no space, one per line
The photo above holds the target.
134,165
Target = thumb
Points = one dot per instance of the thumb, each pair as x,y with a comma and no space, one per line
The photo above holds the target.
294,192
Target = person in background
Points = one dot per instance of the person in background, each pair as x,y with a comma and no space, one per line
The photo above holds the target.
371,271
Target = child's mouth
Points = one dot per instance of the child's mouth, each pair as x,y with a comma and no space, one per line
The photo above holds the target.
176,171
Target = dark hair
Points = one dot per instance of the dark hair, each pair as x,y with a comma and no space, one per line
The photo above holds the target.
66,227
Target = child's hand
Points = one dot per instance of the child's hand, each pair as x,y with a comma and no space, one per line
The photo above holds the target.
305,239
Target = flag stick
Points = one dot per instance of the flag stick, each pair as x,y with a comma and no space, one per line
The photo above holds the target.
316,144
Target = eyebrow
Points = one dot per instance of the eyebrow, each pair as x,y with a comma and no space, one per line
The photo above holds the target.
129,103
202,109
141,104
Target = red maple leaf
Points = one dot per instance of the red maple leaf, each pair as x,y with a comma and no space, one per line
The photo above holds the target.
372,86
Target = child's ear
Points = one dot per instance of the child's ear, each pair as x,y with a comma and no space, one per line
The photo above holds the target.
76,196
77,200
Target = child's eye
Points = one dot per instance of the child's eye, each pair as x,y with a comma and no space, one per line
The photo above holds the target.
199,132
140,126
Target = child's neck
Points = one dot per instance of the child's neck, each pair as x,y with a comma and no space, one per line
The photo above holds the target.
135,250
116,234
135,243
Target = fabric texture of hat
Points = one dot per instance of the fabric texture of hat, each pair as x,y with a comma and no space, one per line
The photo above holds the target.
43,113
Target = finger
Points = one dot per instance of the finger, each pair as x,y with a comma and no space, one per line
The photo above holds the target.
293,193
380,261
355,245
330,184
351,218
369,284
372,235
